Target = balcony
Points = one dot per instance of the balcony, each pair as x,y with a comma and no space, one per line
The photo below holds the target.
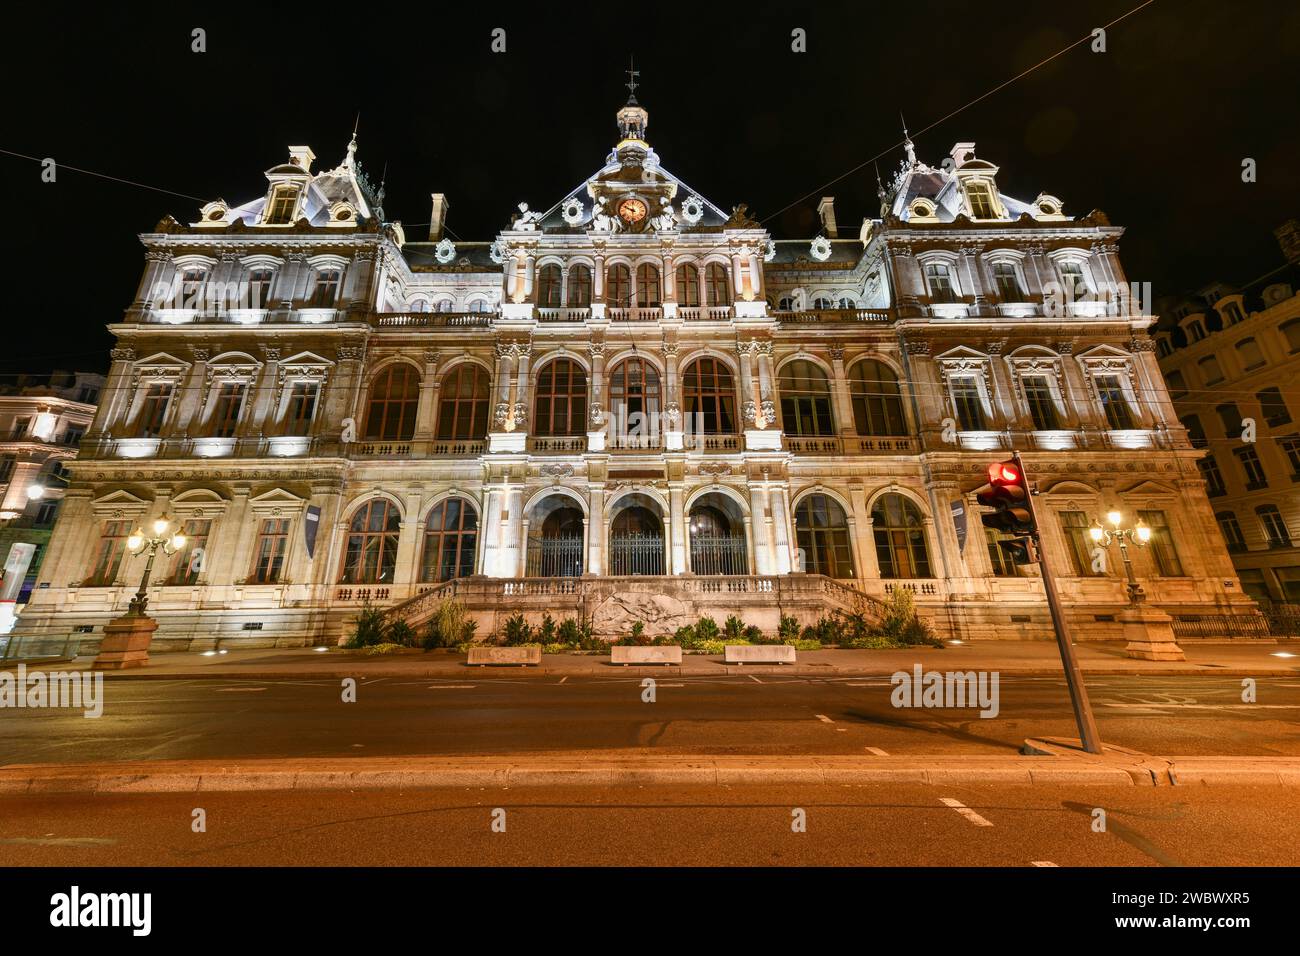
557,444
640,314
710,313
416,448
432,320
831,316
852,445
551,314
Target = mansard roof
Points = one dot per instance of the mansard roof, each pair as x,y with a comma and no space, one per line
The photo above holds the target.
941,185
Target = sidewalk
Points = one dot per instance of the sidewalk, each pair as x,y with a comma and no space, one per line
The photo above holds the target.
1014,658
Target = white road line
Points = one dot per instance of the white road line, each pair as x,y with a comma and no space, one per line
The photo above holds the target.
965,811
238,690
754,679
451,687
824,719
1043,863
842,730
1200,706
877,751
564,678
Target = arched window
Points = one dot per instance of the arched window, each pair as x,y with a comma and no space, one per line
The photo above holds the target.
463,403
900,538
822,532
579,287
716,285
419,305
444,305
548,286
450,541
876,399
1292,332
394,398
619,293
785,304
822,302
805,399
710,394
479,305
371,553
561,406
634,396
688,285
648,293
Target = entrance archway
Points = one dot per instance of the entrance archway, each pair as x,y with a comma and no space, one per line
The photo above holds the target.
716,527
555,539
636,537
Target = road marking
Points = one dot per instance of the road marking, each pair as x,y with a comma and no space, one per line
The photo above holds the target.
824,719
1154,706
1043,863
877,751
842,730
965,811
564,678
238,690
451,687
754,679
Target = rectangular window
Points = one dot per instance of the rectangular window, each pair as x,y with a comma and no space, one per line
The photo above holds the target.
226,409
7,463
269,551
326,291
1273,405
1118,414
1007,281
1251,468
46,513
191,559
1003,566
1288,579
1291,445
21,427
153,410
939,280
1078,542
1161,544
280,210
1072,280
1214,486
259,288
192,283
301,409
1275,529
1249,352
981,201
108,556
966,402
1230,528
73,435
1042,407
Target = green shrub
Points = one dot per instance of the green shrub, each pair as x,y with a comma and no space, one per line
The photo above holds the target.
754,635
706,629
369,628
401,634
449,626
733,629
788,629
376,650
517,631
546,633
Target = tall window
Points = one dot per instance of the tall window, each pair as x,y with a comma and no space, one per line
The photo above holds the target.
1291,446
1075,526
1214,486
1007,280
269,550
450,541
190,559
325,293
1211,371
226,409
805,399
648,291
939,281
548,286
1252,468
394,399
967,403
1162,547
1273,405
108,556
7,463
1249,353
876,398
822,533
716,286
1003,565
901,549
1230,416
22,427
619,293
981,201
1231,530
1072,280
688,285
634,396
1177,384
192,284
259,288
579,287
710,394
1042,406
463,403
371,553
1275,529
153,410
301,408
1195,431
561,403
1119,415
1291,330
280,210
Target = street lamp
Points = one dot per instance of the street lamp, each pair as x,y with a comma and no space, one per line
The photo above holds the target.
1139,534
37,491
138,543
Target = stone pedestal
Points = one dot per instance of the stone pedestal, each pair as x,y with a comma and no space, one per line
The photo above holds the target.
1150,634
125,644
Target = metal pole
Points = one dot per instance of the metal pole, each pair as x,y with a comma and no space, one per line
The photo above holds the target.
1083,718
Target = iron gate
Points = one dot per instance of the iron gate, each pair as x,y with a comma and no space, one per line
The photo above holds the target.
554,558
719,554
636,554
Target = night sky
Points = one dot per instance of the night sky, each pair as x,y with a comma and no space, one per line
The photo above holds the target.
1153,131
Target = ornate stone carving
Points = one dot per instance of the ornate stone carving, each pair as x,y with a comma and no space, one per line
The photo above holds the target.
501,415
673,414
124,354
836,352
521,414
596,415
715,468
556,470
350,353
916,346
659,613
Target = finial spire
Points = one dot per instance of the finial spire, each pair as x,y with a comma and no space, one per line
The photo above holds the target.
907,141
880,186
632,74
352,146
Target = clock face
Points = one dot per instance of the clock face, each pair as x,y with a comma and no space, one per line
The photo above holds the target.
631,210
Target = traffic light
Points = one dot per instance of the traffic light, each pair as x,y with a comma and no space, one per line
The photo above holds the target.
1008,496
1017,551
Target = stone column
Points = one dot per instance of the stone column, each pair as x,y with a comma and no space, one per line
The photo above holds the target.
594,525
840,394
677,522
157,269
780,498
405,570
756,276
427,410
869,569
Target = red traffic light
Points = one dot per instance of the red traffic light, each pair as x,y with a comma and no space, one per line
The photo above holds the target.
1007,494
1004,473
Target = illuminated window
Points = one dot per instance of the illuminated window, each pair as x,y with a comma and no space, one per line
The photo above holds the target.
876,398
192,286
717,288
822,533
579,287
153,410
1075,524
463,403
981,201
805,399
549,281
394,399
280,210
1163,552
619,293
190,559
899,530
371,553
688,285
1042,405
259,288
710,397
450,541
634,401
1275,529
226,409
648,293
967,403
1113,401
1007,280
561,400
269,550
939,280
301,408
108,556
326,290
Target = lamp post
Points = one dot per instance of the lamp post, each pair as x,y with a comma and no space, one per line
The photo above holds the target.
1139,534
164,538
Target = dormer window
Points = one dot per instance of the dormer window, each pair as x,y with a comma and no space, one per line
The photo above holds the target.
1232,313
326,291
1073,281
982,205
939,279
821,303
259,288
279,212
1195,330
192,281
785,304
1007,280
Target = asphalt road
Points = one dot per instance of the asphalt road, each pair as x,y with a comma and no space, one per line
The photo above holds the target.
195,719
664,826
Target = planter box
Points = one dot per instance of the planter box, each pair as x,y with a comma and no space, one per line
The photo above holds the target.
511,656
758,654
667,654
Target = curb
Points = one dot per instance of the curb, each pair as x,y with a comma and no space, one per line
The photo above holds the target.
566,770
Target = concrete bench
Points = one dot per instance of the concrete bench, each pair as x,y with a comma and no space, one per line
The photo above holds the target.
516,656
624,654
758,654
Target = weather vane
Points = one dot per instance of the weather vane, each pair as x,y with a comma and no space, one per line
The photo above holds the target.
632,74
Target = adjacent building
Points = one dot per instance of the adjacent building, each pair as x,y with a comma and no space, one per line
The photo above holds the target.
632,403
1231,358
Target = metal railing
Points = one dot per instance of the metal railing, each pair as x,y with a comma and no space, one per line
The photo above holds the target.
1222,625
554,558
719,554
636,554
